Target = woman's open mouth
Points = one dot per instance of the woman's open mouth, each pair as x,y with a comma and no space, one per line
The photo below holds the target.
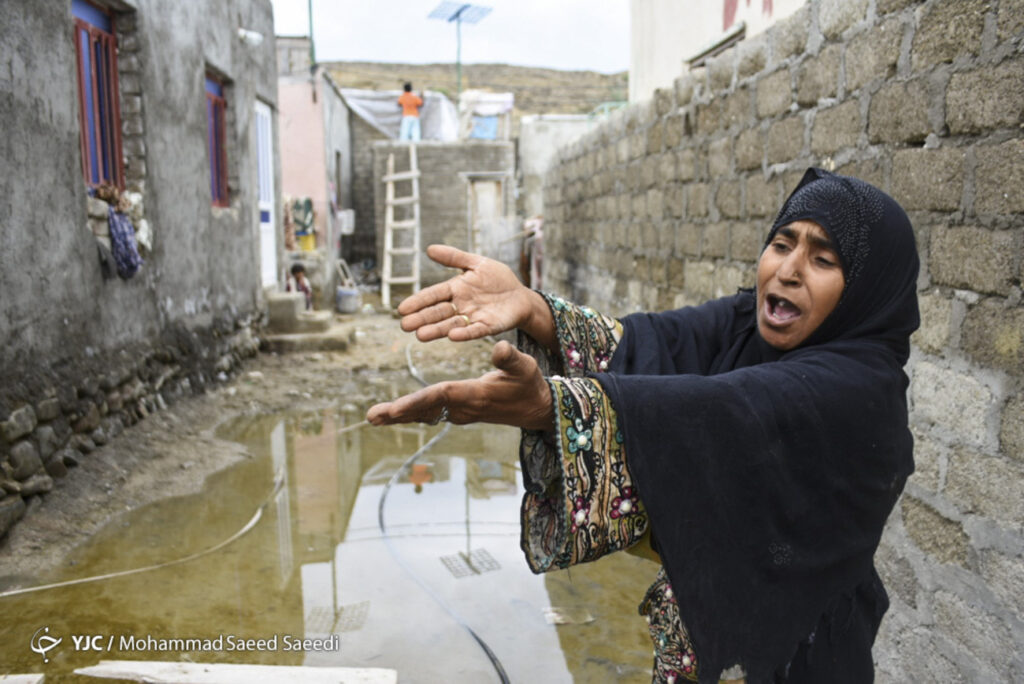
779,310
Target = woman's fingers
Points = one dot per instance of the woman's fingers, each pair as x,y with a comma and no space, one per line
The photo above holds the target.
453,257
430,296
422,406
428,316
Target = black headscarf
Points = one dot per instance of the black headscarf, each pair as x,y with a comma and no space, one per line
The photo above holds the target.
768,475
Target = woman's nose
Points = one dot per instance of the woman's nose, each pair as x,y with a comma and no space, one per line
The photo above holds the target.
789,269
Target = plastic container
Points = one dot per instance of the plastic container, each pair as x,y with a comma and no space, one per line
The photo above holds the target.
347,300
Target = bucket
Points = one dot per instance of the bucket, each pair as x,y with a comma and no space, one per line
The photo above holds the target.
307,242
347,300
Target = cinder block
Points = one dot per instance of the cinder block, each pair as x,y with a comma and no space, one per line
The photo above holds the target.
745,240
986,485
869,170
789,36
974,258
284,309
737,108
721,70
719,157
715,241
686,165
1010,21
699,277
1011,432
655,203
785,140
980,631
709,117
655,134
774,93
993,334
946,30
728,199
835,16
899,113
674,194
873,54
697,200
836,128
1004,575
749,150
664,101
931,180
958,404
751,56
986,98
817,77
762,198
687,240
935,534
684,86
936,322
929,456
999,178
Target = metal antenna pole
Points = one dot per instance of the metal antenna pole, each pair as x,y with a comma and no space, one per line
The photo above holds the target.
312,46
459,12
458,56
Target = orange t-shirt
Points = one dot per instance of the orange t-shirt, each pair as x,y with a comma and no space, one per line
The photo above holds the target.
410,104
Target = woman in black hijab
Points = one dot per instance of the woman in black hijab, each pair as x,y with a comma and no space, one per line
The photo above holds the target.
760,438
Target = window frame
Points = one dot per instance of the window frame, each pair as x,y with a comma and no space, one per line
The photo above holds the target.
216,139
99,106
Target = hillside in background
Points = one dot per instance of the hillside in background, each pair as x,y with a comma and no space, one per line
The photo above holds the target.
537,91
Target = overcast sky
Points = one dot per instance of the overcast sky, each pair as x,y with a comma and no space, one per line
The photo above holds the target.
559,34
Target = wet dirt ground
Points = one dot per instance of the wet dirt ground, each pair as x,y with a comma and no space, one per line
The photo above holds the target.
401,573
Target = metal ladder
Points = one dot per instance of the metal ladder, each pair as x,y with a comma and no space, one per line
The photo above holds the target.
412,205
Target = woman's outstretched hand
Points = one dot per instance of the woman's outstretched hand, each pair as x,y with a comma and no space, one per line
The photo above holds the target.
515,393
485,299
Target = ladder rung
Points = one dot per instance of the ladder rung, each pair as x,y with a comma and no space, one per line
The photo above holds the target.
403,200
404,175
401,250
411,223
402,280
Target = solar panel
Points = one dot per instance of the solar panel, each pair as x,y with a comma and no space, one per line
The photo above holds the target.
465,13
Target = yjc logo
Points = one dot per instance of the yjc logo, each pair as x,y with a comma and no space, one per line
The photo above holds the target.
42,643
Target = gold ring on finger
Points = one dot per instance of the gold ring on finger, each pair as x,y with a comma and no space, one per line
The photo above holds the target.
455,309
465,318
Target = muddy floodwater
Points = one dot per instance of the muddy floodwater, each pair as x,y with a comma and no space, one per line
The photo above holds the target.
350,559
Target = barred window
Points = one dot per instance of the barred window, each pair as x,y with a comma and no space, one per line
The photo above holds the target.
98,100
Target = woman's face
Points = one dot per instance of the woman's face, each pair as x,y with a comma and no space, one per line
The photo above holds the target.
799,282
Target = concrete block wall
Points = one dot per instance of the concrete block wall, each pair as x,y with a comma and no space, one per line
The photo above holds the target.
668,203
362,244
443,192
83,356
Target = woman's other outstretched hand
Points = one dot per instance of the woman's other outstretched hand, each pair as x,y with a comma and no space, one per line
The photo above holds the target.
485,299
515,393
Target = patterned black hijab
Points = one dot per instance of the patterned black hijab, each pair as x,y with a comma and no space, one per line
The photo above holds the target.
768,476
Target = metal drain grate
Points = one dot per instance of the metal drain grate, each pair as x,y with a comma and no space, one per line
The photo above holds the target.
349,618
476,562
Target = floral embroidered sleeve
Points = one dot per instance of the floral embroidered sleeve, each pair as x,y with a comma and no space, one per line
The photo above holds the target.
586,340
580,503
587,506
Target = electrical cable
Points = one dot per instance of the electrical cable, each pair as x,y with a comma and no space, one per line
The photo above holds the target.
498,668
278,483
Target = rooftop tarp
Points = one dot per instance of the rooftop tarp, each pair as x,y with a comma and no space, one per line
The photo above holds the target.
380,109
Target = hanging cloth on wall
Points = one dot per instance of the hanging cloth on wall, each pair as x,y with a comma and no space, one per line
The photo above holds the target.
302,216
122,244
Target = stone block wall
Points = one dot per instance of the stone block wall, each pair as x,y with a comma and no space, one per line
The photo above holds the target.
668,203
443,192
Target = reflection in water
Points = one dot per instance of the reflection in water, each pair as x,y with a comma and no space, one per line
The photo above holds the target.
316,565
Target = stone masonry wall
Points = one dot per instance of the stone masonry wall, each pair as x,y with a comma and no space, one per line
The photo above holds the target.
362,244
668,203
443,192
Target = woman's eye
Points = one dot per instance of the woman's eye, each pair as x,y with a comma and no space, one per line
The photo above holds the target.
826,261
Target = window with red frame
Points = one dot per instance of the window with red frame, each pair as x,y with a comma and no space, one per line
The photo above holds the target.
98,107
215,141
